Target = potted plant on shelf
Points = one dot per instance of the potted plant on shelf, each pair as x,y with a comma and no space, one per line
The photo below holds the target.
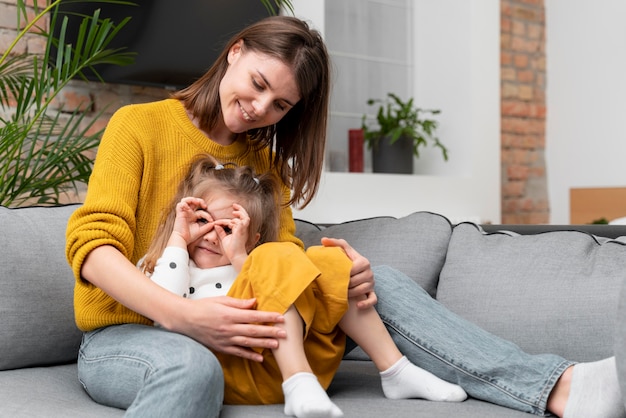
399,132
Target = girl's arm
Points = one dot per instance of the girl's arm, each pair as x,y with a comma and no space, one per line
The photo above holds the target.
171,270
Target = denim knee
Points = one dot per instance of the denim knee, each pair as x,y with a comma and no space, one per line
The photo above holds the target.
192,377
196,367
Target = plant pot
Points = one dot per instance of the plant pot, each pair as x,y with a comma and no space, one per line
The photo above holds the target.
394,158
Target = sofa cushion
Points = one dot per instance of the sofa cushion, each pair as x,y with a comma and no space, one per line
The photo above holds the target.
415,244
553,292
50,392
36,288
55,392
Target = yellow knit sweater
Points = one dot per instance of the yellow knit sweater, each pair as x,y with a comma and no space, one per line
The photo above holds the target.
143,155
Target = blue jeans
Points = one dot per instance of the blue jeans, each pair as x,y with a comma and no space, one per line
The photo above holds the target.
486,366
150,372
153,372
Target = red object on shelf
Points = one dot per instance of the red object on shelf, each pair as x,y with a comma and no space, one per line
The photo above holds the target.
355,150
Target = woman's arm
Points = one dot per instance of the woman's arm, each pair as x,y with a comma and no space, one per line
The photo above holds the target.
223,324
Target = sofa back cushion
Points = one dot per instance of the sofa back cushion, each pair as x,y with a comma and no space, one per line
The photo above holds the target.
36,288
415,244
553,292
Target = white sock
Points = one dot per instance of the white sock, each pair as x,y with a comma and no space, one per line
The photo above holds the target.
404,380
595,391
306,398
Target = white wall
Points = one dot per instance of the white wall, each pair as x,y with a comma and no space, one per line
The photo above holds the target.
458,71
586,98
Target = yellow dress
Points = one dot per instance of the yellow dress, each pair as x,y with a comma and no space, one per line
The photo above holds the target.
279,275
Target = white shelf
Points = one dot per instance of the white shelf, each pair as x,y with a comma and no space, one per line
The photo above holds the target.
348,196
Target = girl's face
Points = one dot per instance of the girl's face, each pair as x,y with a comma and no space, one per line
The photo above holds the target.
207,251
256,91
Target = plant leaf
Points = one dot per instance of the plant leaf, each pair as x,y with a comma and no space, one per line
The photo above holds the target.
43,150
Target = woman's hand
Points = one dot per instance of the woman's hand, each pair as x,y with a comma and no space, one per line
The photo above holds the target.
232,326
361,275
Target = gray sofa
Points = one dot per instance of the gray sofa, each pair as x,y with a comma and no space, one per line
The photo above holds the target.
546,290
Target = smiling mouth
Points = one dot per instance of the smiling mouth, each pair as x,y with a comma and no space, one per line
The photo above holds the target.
245,114
209,250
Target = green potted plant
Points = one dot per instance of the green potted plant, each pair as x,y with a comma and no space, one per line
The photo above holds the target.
43,150
399,132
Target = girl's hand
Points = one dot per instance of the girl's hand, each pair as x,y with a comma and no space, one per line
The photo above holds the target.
234,235
361,276
192,221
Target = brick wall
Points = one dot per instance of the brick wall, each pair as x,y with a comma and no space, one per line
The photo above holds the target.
523,112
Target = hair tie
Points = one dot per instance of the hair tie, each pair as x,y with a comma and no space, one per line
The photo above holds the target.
219,167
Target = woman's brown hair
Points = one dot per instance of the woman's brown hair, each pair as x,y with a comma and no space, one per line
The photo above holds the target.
299,138
257,194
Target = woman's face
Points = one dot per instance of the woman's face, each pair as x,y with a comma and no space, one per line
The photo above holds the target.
256,91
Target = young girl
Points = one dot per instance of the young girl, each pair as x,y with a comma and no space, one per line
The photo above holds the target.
204,248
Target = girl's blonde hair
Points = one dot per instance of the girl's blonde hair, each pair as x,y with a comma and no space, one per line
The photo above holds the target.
259,195
299,138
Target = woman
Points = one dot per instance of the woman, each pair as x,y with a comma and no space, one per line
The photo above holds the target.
269,89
